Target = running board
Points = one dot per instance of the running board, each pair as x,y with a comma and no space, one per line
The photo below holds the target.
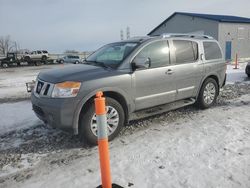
161,109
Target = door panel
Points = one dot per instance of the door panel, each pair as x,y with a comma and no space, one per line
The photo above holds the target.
188,68
228,50
153,87
187,78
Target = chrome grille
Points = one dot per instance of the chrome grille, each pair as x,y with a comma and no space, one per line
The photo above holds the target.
43,89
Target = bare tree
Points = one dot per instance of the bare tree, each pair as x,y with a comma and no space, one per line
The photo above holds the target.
6,45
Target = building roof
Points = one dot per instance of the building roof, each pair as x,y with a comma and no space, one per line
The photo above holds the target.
218,18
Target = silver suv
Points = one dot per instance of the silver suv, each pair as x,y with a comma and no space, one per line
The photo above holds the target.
139,77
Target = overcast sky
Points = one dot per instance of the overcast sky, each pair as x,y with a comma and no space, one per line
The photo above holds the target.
57,25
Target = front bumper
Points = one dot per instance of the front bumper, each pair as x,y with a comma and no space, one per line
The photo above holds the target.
58,113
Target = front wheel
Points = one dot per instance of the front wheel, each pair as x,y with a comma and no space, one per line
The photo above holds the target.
208,94
88,123
4,65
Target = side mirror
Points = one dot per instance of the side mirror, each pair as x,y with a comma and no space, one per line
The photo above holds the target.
141,63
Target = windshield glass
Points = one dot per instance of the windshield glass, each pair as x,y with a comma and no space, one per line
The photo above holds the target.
112,55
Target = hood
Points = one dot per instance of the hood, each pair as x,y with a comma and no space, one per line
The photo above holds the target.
79,72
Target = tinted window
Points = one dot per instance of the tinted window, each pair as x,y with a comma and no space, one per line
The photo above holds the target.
44,51
11,55
212,51
39,52
185,51
158,52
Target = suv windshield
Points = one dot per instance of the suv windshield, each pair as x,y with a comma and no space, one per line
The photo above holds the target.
112,55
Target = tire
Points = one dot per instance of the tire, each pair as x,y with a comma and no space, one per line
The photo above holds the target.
5,65
44,58
27,59
208,94
61,61
86,133
248,75
77,62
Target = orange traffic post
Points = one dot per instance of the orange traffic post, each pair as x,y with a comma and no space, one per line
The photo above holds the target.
236,61
103,140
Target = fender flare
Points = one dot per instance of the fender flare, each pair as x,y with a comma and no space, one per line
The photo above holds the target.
83,101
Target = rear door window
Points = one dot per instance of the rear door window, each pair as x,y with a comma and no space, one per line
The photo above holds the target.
212,50
185,51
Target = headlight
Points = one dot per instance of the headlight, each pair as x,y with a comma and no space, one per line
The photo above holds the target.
66,89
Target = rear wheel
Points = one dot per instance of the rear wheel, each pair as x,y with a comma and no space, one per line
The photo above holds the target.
44,58
88,123
27,59
208,94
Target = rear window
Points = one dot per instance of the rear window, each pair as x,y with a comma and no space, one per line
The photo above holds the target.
212,51
45,52
185,51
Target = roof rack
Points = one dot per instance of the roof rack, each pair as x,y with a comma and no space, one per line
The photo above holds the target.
167,35
141,37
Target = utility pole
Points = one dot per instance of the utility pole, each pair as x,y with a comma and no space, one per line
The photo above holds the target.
121,34
128,32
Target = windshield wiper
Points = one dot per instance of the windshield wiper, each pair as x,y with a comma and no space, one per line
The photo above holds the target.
97,63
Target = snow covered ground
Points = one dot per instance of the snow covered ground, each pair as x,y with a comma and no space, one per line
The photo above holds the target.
236,75
17,116
13,80
181,148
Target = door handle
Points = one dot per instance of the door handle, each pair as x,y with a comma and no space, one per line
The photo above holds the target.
169,71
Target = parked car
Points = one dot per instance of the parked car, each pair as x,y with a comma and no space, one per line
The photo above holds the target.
38,55
139,77
248,69
69,59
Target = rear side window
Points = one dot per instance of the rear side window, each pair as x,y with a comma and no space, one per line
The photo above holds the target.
185,51
212,51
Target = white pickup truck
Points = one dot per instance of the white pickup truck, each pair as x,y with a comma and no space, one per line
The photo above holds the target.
38,55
